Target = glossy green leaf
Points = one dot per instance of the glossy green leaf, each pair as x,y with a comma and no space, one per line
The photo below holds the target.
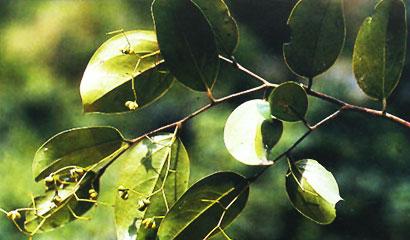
244,137
82,147
187,43
289,102
380,49
107,82
50,215
143,170
313,191
196,214
222,23
317,36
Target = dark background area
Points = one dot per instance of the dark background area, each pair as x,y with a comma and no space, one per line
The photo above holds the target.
45,47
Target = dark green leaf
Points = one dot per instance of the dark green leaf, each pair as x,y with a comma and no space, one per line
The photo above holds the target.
187,43
143,170
107,82
82,147
222,23
243,135
317,36
380,49
197,213
289,102
313,191
50,215
272,130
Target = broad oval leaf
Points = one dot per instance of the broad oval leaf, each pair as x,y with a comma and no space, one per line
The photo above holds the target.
313,191
197,213
143,170
380,49
187,43
50,215
82,147
244,137
317,36
289,102
107,83
222,23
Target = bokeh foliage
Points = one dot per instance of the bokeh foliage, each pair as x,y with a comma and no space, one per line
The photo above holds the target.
45,46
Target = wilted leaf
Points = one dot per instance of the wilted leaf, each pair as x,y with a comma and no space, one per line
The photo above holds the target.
187,43
196,214
244,136
50,215
380,49
143,169
289,102
313,191
317,36
82,147
222,23
107,82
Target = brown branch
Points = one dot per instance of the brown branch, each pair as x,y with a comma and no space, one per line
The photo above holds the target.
199,111
327,98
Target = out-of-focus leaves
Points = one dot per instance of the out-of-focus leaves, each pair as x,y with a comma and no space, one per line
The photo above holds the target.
82,147
244,136
51,213
197,213
380,49
149,169
317,36
312,190
107,84
222,23
187,43
289,102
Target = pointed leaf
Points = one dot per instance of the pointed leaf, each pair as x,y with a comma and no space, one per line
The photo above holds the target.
313,191
143,170
380,49
244,137
196,214
82,147
222,23
50,215
107,82
289,102
187,43
317,36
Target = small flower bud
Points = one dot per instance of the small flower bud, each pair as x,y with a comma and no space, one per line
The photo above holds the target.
131,105
13,215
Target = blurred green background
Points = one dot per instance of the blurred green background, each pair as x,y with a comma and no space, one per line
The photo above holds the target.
45,47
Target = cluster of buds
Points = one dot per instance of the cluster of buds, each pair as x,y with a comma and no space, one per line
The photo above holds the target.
123,192
13,215
149,223
131,105
93,194
76,173
143,204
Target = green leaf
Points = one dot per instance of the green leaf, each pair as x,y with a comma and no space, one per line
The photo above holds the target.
317,36
107,83
244,137
82,147
143,170
380,49
50,215
222,23
271,130
313,191
197,213
289,102
187,43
